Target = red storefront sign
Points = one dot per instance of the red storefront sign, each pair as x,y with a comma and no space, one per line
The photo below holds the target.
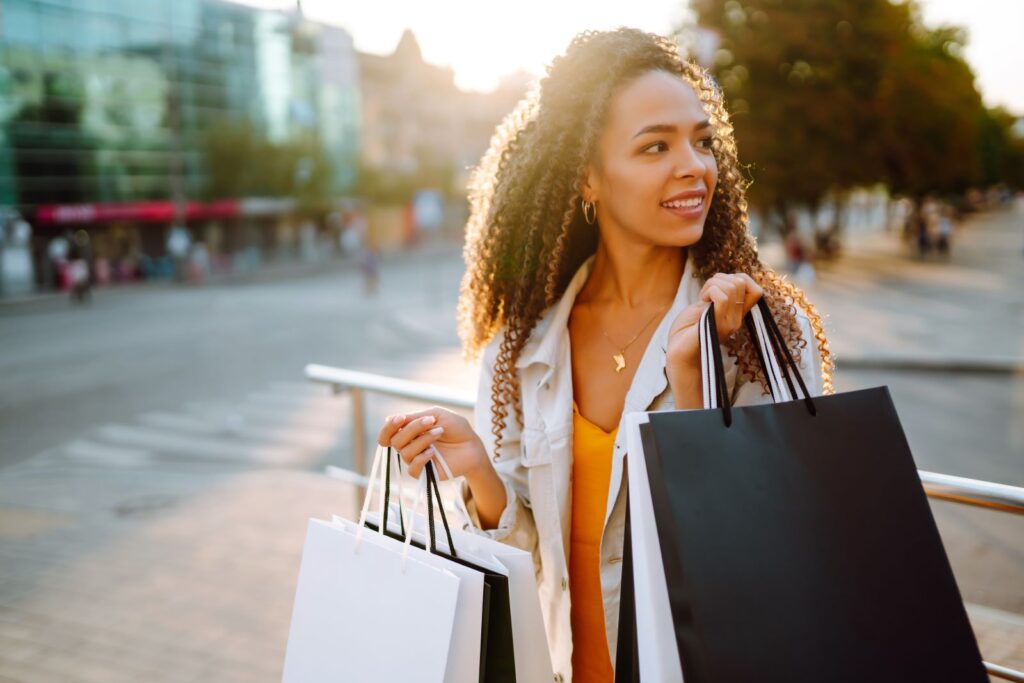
139,212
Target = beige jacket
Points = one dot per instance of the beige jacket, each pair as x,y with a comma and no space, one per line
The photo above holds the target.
536,460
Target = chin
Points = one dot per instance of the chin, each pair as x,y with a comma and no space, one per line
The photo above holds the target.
687,235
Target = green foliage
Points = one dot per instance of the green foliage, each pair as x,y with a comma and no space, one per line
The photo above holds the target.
828,95
241,162
393,187
1000,151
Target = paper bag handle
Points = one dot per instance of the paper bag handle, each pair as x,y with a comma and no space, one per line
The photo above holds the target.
773,356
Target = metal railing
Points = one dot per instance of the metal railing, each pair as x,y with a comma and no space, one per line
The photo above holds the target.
973,492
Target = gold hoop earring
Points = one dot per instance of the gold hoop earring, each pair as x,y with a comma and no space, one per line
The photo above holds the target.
592,206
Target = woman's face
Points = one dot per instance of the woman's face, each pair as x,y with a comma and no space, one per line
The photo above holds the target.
656,174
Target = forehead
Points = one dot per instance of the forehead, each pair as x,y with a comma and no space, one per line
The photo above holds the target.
654,97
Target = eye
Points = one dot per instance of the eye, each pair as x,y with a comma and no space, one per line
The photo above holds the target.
648,147
705,143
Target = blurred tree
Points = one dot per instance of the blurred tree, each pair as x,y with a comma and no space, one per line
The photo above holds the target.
1000,150
235,154
241,162
53,155
829,95
929,109
800,77
389,186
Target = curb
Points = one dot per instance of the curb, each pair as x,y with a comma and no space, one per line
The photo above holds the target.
980,366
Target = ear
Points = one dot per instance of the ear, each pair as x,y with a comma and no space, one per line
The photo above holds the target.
589,187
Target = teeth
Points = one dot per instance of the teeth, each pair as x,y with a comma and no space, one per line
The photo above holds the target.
684,203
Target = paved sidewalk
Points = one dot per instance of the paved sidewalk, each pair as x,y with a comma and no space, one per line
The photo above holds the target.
191,590
883,303
118,563
176,589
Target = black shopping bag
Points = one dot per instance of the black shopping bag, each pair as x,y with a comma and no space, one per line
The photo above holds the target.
786,542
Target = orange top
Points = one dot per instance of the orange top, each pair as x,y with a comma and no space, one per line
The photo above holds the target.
591,476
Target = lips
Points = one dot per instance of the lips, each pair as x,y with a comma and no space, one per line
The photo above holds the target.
686,194
689,203
686,204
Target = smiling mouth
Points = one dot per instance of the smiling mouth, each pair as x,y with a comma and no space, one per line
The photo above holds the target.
688,208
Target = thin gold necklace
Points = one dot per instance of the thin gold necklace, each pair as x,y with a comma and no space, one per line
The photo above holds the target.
620,357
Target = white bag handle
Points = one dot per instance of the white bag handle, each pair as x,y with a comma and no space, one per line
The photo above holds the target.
366,499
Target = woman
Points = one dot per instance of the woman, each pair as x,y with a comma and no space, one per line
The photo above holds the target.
607,214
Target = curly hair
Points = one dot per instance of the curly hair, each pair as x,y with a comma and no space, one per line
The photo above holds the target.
526,235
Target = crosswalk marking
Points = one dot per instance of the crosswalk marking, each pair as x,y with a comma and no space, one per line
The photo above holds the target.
90,451
281,425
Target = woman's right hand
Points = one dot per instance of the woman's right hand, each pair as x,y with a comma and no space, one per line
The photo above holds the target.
413,434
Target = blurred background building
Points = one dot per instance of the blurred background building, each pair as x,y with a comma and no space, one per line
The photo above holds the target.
420,132
145,129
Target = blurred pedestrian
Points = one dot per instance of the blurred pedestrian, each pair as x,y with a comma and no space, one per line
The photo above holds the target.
57,263
919,225
179,241
944,228
198,263
79,277
369,267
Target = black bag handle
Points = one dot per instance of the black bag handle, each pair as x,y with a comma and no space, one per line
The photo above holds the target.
779,350
433,490
387,494
718,366
785,358
432,485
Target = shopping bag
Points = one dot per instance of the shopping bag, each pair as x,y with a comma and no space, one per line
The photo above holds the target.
368,609
532,657
786,542
481,648
528,636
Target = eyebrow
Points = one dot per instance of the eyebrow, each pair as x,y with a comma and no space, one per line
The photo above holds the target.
669,128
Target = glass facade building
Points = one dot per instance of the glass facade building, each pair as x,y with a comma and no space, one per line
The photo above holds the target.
128,102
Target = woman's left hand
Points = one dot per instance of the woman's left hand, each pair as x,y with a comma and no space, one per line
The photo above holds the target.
733,296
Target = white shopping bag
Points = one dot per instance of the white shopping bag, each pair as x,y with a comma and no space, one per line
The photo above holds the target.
464,647
532,657
656,648
368,610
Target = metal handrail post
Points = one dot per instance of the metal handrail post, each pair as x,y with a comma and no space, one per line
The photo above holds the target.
358,398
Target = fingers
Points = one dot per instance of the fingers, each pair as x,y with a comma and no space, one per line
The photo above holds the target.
413,436
420,461
389,429
733,295
742,290
753,291
412,429
422,443
393,424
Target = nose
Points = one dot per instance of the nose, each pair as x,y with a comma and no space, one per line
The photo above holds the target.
690,163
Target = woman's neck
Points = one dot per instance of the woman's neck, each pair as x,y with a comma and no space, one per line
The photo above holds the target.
634,275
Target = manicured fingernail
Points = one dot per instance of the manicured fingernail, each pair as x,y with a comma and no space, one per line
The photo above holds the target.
437,430
429,420
396,419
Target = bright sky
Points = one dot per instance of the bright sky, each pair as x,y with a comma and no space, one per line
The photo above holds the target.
481,44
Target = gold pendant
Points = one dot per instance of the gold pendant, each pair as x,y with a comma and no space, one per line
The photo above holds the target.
620,362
